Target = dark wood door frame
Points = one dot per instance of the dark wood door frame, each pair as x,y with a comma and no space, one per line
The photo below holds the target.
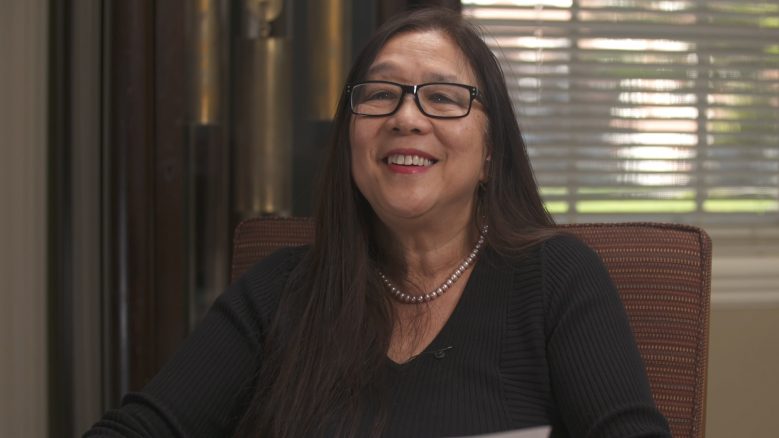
147,170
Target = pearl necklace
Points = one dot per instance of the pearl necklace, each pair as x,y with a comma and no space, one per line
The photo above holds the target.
437,292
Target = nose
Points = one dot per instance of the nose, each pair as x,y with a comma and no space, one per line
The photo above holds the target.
409,117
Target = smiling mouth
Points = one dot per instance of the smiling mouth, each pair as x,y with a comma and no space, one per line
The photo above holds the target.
409,160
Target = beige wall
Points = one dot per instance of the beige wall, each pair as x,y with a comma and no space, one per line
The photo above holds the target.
23,63
743,389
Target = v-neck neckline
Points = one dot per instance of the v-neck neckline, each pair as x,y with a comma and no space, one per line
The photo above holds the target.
437,344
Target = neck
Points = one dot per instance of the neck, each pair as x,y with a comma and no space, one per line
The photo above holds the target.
449,283
420,256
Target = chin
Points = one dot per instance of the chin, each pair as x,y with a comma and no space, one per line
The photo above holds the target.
404,211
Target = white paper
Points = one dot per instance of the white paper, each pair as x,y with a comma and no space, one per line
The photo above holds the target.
530,432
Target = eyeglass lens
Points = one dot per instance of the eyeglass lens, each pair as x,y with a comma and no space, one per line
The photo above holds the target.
440,100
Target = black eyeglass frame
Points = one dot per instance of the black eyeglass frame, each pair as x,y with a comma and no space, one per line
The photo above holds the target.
474,94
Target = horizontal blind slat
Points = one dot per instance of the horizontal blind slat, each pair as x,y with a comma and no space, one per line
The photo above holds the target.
623,103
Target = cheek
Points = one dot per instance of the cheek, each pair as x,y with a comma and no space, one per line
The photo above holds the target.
358,158
479,145
359,138
476,139
484,137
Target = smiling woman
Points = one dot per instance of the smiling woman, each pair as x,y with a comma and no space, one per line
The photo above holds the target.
437,298
454,146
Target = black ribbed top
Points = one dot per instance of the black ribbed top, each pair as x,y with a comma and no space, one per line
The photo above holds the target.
544,341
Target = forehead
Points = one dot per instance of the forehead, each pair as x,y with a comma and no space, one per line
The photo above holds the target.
415,57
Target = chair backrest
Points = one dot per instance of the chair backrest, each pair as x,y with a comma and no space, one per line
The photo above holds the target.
662,272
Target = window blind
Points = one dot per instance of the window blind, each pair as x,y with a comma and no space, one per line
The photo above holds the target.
645,110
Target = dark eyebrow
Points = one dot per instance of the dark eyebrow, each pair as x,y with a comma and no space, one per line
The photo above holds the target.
379,68
387,67
437,77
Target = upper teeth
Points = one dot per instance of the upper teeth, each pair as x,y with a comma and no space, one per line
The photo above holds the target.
409,160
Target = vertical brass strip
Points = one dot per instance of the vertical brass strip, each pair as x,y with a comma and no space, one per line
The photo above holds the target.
208,183
206,55
329,52
263,131
263,110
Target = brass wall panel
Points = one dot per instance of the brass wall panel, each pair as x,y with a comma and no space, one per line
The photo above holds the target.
258,16
329,54
206,58
207,143
263,130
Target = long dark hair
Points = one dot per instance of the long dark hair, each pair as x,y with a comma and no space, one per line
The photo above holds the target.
325,351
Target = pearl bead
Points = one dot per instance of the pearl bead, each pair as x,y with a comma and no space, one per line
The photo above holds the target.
458,272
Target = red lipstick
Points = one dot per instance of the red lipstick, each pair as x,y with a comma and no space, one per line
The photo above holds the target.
408,168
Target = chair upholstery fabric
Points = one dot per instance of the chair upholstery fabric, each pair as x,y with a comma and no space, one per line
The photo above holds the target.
662,272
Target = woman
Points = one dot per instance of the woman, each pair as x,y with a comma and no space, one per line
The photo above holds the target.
437,299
